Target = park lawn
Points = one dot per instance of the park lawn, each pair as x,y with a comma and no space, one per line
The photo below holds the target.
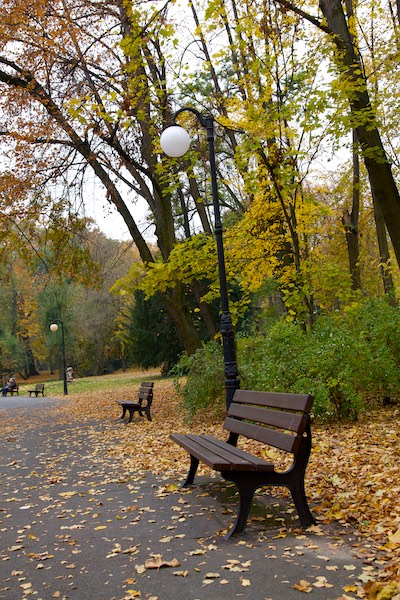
54,387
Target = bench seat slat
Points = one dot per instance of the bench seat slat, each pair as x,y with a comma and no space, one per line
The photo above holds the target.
128,403
296,402
200,452
276,418
258,463
220,456
283,441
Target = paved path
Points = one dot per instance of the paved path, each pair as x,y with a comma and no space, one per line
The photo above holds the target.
74,525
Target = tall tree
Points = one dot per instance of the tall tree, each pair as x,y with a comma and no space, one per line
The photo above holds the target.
350,220
100,104
339,26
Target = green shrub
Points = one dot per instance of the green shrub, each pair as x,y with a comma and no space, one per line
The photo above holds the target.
347,360
290,360
378,323
204,385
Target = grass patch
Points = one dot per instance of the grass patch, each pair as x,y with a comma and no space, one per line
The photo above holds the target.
55,387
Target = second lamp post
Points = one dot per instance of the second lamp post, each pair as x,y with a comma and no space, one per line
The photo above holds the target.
54,327
175,142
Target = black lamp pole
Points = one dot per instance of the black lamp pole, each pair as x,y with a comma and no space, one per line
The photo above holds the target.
232,382
62,351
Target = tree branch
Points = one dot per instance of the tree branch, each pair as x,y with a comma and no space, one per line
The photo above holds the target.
310,18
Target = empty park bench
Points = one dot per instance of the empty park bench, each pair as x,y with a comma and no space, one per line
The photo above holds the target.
39,389
143,405
276,419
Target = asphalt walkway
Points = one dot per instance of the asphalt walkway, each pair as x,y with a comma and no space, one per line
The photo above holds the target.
75,524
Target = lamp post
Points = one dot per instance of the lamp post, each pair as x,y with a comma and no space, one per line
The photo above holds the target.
54,328
175,142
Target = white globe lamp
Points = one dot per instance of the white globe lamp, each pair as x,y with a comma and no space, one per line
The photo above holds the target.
175,141
54,327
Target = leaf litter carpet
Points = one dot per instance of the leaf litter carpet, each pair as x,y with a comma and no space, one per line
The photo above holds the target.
90,508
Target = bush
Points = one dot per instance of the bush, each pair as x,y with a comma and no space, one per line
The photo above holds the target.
204,385
337,363
347,360
378,323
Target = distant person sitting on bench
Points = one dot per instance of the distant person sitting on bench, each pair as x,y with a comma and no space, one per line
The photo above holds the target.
10,385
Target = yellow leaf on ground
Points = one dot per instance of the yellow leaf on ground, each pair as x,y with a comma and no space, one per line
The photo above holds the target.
350,588
395,537
157,562
303,586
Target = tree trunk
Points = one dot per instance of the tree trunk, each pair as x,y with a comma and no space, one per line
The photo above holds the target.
383,185
32,370
175,304
350,222
387,279
205,310
196,285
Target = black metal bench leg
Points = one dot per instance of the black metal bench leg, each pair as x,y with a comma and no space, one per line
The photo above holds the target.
194,463
246,495
131,413
300,501
123,412
147,411
296,481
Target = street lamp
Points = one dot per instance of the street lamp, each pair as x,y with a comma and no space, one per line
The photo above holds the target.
175,142
54,328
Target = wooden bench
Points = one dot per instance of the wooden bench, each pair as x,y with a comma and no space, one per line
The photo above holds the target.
279,420
143,405
39,389
13,391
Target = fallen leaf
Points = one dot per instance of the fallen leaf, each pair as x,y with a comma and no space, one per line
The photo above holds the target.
350,588
303,586
157,562
140,569
322,582
395,537
26,586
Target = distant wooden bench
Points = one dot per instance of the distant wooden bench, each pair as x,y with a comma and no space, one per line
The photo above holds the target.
143,405
12,391
279,420
39,389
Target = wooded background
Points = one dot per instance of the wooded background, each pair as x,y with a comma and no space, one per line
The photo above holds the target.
305,98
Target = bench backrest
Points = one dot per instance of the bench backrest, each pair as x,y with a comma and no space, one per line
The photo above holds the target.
277,419
39,387
146,392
